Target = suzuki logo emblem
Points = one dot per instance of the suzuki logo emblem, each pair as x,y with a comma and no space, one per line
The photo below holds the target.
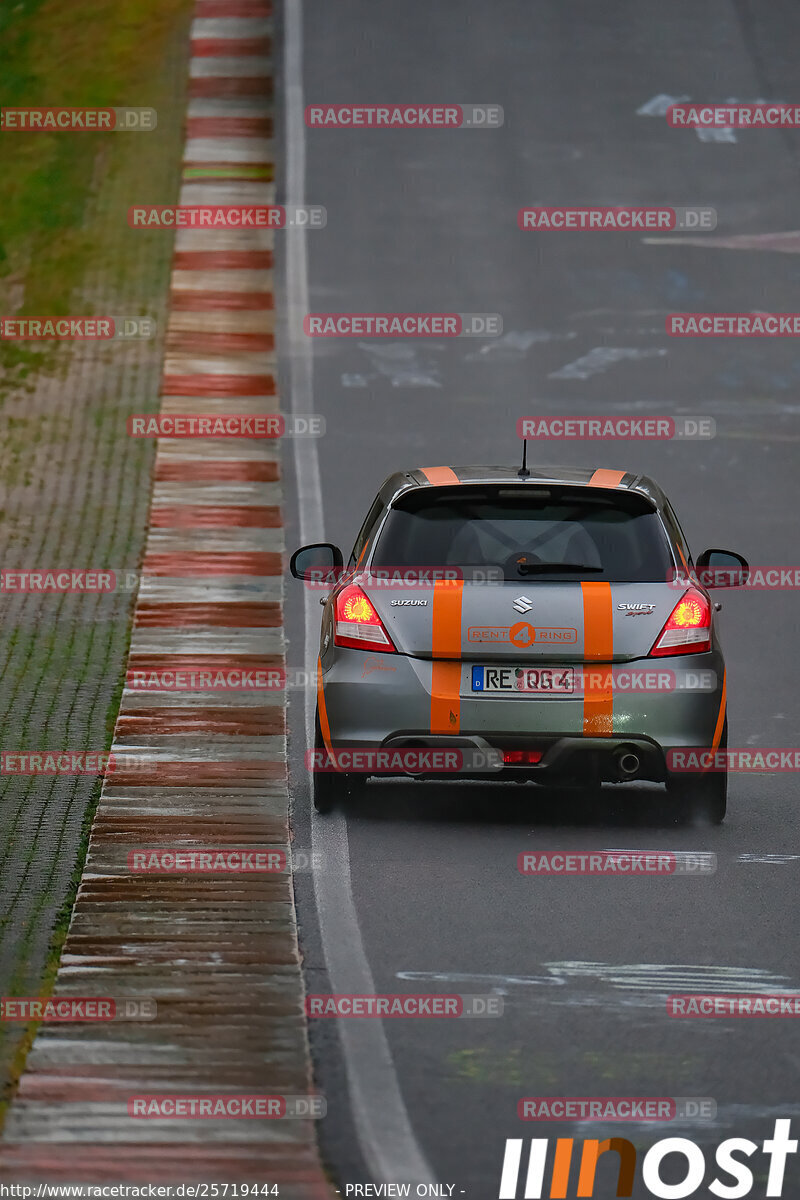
522,604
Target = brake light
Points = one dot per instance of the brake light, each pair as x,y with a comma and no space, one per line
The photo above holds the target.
356,623
688,630
521,757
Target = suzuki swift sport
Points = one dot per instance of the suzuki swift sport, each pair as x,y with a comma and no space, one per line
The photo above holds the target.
545,625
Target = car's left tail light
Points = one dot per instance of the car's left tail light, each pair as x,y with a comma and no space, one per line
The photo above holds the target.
356,623
688,629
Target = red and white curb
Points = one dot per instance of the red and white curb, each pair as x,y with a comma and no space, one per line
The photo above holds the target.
200,769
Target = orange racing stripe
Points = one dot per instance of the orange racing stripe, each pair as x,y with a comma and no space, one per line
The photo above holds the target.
322,709
439,475
598,642
721,714
446,650
604,478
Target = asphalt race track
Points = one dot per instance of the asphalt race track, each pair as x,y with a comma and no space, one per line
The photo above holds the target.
427,222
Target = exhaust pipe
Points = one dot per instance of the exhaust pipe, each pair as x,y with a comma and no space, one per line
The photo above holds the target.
411,744
627,763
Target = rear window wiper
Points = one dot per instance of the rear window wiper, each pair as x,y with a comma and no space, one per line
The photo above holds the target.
540,568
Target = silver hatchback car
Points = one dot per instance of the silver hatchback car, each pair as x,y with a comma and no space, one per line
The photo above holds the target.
545,625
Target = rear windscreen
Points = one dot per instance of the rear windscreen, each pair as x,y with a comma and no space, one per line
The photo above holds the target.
528,533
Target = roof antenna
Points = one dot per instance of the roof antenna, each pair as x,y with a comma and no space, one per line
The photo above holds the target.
523,472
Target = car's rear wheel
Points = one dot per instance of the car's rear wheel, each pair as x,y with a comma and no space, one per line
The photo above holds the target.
329,789
701,798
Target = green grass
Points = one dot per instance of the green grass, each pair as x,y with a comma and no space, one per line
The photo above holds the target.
540,1070
56,193
59,937
84,53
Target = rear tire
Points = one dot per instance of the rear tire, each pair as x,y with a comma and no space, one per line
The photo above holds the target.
702,798
327,792
330,789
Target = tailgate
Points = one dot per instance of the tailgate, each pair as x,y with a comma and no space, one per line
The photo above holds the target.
532,622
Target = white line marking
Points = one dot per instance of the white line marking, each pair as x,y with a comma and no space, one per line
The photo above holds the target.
224,106
600,359
400,364
231,27
658,105
227,279
723,134
516,343
224,148
387,1141
662,978
773,860
243,66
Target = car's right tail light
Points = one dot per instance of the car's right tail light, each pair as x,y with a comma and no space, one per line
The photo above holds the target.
688,628
357,624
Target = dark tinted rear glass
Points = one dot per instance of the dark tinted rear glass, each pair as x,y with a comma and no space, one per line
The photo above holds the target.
528,533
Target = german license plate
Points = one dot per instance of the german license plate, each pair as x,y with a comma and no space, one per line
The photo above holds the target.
532,681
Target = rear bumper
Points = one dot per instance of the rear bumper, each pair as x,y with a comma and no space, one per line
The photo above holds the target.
565,758
382,700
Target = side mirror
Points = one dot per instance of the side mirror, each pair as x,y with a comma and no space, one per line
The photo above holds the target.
722,568
320,563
